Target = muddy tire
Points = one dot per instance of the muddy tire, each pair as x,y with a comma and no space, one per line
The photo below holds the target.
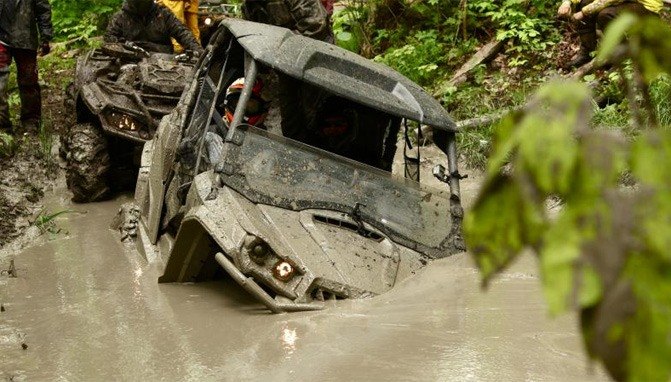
88,163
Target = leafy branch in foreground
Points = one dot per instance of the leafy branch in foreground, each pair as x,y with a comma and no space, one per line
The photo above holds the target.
606,252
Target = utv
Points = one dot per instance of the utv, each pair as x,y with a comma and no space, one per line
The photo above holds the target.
292,223
120,93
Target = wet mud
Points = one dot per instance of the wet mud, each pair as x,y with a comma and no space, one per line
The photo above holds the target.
25,176
23,179
86,306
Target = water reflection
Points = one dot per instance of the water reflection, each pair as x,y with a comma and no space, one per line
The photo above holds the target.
289,338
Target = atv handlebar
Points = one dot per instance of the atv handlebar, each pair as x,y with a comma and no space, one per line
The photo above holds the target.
132,46
137,51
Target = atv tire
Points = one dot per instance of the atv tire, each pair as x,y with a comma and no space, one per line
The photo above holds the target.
88,163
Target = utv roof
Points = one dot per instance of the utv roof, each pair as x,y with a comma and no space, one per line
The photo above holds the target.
341,72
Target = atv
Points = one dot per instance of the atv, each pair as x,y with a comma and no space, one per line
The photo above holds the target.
120,93
294,222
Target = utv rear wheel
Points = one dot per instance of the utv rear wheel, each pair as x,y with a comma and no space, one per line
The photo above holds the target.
88,163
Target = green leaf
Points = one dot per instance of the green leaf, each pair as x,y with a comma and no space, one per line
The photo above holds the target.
547,148
561,249
494,230
614,35
590,287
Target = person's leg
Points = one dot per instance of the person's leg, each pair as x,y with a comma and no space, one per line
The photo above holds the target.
29,88
5,61
586,29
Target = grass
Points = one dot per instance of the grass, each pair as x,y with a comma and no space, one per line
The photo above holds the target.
488,93
8,145
45,221
660,92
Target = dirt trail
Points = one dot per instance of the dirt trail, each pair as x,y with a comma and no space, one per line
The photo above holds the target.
88,307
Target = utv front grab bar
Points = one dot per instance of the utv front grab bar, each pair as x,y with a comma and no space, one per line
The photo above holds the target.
252,287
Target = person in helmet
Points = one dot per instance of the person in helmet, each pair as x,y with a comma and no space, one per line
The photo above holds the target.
257,106
151,25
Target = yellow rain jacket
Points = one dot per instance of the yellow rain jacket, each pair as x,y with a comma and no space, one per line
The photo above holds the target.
187,12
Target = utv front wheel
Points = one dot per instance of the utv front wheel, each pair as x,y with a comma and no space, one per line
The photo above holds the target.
88,163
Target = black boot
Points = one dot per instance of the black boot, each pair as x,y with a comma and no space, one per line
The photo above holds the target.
580,59
587,46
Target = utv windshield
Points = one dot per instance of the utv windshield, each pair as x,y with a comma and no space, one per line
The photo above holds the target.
274,170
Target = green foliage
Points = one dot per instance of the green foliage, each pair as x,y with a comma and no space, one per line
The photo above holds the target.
660,92
417,60
82,19
606,251
8,145
45,137
348,29
528,25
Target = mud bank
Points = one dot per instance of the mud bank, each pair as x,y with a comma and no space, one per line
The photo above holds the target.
23,179
25,176
88,307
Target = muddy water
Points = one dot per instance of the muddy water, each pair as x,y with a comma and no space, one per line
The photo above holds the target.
89,308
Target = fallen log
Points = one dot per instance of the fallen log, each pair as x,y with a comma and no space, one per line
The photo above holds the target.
486,119
483,55
583,70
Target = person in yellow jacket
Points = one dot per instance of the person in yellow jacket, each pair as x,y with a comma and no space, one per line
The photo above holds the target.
186,12
592,15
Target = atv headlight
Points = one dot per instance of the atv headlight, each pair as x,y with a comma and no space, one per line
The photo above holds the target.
208,21
128,124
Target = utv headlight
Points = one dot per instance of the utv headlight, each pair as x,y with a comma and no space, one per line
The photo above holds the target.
208,21
283,271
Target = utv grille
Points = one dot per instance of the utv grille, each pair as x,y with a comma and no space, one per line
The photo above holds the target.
349,226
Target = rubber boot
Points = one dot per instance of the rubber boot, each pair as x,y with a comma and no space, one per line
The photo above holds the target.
587,46
5,122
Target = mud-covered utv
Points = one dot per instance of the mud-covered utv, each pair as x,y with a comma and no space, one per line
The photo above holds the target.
120,93
292,223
